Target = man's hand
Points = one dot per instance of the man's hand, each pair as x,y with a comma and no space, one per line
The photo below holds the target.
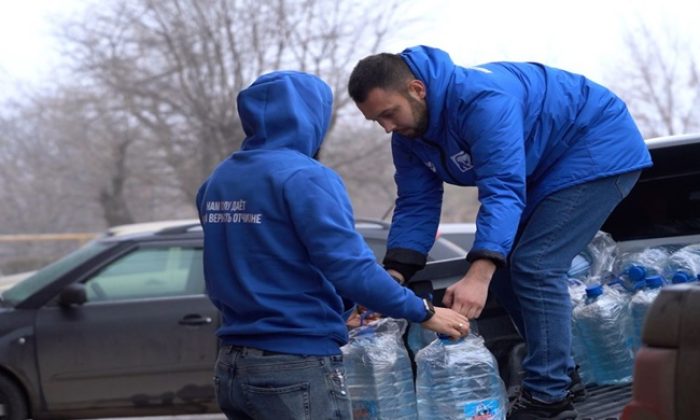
468,296
448,322
360,317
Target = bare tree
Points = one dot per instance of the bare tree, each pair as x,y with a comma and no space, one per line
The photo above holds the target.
44,188
176,66
361,154
60,141
660,82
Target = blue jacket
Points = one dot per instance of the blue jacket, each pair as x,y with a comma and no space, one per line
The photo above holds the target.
517,131
280,247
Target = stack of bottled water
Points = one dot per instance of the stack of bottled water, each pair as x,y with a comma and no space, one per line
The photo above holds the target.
639,306
684,264
633,267
607,326
458,379
601,325
379,373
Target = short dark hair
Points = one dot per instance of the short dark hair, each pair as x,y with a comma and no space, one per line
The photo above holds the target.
384,70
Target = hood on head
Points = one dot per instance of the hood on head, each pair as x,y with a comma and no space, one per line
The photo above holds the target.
285,110
434,68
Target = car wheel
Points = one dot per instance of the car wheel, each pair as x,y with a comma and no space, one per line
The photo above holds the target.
13,406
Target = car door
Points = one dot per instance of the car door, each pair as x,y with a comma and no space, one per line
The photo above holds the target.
145,338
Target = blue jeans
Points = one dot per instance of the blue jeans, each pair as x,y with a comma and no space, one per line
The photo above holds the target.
533,287
256,384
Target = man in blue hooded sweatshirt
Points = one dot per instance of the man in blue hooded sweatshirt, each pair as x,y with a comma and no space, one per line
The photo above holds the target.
281,253
551,153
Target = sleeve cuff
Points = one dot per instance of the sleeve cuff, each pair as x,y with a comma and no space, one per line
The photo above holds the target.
405,261
479,254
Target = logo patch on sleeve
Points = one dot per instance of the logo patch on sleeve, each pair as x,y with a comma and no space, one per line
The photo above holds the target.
463,160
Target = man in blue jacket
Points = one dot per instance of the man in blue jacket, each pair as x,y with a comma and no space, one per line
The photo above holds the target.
281,253
551,153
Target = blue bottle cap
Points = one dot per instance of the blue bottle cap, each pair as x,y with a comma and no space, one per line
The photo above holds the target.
654,282
594,290
636,272
681,277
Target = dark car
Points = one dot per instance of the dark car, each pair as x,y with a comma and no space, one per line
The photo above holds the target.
122,327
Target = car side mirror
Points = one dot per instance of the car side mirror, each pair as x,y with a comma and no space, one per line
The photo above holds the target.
73,294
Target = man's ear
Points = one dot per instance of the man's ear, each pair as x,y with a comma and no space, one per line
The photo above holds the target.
417,88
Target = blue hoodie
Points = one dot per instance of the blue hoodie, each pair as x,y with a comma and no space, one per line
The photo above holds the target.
517,131
280,247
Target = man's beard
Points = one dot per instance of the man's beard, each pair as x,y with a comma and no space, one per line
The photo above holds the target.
419,111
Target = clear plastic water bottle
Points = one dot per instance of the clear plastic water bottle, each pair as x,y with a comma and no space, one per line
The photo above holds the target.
639,306
458,379
577,292
632,267
595,262
603,251
580,267
379,373
601,323
419,337
627,291
684,264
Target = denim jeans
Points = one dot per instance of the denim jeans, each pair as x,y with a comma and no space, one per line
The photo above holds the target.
533,287
256,384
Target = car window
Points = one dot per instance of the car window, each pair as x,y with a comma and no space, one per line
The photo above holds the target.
149,273
51,272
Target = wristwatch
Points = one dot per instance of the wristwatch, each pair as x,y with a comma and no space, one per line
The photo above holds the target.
429,309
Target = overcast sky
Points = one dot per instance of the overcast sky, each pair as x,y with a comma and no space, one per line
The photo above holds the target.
582,36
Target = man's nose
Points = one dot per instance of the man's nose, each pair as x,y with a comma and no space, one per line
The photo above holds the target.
388,126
